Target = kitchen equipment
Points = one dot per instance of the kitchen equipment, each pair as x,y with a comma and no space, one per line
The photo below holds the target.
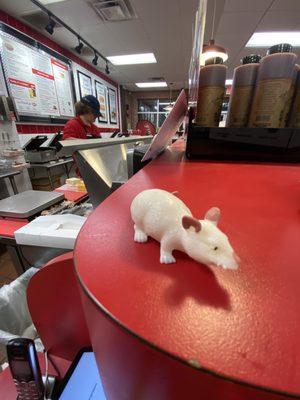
34,153
28,203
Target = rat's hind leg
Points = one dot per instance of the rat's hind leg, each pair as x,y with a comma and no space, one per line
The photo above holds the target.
139,235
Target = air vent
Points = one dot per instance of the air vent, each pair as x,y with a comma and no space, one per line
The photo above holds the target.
38,19
114,11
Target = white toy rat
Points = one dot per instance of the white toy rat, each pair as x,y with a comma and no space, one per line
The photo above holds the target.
167,219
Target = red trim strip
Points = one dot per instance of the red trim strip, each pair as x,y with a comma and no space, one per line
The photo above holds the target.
25,129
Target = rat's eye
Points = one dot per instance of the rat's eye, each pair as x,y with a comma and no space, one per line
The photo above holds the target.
216,248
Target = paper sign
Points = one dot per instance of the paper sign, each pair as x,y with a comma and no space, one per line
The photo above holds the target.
112,98
85,84
101,96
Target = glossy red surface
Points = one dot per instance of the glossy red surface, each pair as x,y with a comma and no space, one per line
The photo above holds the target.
131,369
242,324
56,310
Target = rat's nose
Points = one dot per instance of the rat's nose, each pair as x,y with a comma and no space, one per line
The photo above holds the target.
236,258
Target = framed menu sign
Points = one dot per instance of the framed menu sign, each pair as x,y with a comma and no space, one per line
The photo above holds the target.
21,81
84,84
112,101
37,78
100,90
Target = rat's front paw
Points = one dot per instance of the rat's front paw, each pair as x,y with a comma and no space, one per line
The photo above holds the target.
140,236
167,258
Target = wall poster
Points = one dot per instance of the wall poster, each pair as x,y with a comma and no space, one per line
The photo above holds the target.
39,84
100,90
85,84
112,100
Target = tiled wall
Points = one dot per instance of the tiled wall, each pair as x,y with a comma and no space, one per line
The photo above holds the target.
14,23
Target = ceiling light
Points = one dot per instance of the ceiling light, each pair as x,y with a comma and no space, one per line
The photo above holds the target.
151,84
266,39
50,26
79,47
129,59
211,50
51,1
228,82
107,69
95,59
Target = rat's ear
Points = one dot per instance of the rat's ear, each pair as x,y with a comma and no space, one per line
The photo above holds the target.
188,221
213,215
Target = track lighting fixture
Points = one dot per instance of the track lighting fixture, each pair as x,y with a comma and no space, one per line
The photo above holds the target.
79,47
55,21
50,26
95,59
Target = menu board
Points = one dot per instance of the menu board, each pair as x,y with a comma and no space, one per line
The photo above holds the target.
85,84
101,96
63,87
45,84
35,80
16,57
112,99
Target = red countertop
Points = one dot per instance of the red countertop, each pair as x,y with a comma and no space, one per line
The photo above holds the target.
242,324
8,227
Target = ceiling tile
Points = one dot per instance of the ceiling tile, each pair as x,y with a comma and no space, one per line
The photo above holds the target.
132,36
286,5
279,21
246,5
76,13
238,22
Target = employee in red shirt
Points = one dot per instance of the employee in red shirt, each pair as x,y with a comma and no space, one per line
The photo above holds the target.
87,110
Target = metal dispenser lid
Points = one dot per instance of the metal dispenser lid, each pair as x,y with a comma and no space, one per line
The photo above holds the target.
251,59
280,48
